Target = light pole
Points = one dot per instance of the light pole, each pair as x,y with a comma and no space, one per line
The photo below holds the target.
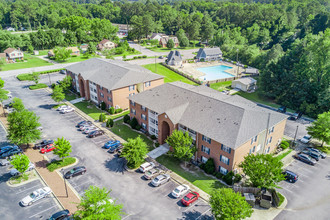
155,64
295,135
66,189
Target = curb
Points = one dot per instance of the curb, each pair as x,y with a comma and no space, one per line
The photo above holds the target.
68,184
70,165
25,182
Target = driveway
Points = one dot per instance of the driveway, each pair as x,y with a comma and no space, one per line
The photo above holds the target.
300,126
140,200
309,197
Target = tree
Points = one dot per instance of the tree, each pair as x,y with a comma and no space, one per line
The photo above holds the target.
91,49
3,92
61,53
58,94
170,44
226,204
263,170
134,151
18,104
20,162
110,123
97,204
23,127
181,143
62,148
66,83
102,117
320,128
35,77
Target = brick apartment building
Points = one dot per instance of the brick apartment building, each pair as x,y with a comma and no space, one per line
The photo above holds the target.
111,81
225,128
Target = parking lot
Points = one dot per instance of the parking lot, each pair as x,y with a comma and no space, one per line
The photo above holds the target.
10,197
139,199
309,197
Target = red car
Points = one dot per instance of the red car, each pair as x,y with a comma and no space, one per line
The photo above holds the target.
190,198
47,148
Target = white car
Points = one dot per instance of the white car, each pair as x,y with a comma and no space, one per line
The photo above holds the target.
62,107
15,172
36,195
306,139
4,162
180,190
89,129
67,110
146,166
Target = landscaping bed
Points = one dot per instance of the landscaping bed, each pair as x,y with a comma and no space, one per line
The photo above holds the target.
60,163
284,154
28,76
38,86
22,178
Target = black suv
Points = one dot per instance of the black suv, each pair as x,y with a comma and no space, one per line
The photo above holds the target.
282,109
12,152
290,176
75,172
43,143
61,215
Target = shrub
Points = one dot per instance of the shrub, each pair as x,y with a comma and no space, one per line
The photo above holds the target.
209,166
111,110
144,56
285,144
157,144
245,66
127,119
124,57
138,127
103,105
228,178
102,117
219,175
202,60
237,178
153,137
110,123
234,62
118,110
133,123
159,46
60,163
53,85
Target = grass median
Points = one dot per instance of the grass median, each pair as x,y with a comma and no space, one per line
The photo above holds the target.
60,163
38,86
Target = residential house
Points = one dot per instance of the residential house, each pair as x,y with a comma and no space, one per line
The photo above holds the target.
75,51
174,58
13,54
111,81
84,47
163,41
10,29
209,54
224,128
156,36
245,84
106,45
50,53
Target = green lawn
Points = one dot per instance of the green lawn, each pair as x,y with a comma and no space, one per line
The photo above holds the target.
165,49
89,109
70,96
118,115
38,86
198,178
43,52
76,59
170,76
30,61
281,156
126,132
221,86
126,53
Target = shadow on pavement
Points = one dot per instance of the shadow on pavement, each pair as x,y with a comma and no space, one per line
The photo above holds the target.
5,177
116,164
193,215
47,106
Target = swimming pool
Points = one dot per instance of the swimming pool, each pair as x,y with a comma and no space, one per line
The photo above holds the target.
215,72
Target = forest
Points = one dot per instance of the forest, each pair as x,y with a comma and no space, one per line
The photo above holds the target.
288,40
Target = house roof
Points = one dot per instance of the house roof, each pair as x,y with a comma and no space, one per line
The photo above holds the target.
209,51
252,71
155,34
174,55
104,41
246,80
74,49
112,74
229,120
165,39
9,50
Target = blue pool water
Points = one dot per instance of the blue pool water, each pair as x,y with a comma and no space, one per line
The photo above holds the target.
215,72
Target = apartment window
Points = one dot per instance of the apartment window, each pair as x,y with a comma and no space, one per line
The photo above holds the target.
191,131
225,148
250,151
143,108
133,111
101,87
269,140
271,130
101,94
109,99
253,149
132,103
147,84
224,159
143,116
254,139
206,139
132,94
131,87
143,125
267,150
109,92
206,150
153,121
223,170
203,159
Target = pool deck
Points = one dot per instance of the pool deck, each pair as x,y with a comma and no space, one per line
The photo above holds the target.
191,68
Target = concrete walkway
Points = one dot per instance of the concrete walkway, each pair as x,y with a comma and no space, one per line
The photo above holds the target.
162,149
77,100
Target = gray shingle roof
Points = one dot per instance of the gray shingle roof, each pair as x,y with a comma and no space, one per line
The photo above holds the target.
174,55
230,120
209,51
246,80
112,74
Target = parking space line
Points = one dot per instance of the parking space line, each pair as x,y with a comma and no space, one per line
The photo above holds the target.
83,183
203,213
190,207
42,211
126,216
288,190
27,189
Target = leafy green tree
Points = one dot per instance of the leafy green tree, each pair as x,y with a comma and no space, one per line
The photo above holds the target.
2,62
263,170
170,44
97,204
320,128
91,49
3,92
35,77
102,117
183,40
58,95
62,147
23,127
134,151
182,145
66,83
20,163
207,29
62,53
18,104
226,204
110,123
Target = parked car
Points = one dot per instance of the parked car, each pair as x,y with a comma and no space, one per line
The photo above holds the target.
305,158
115,148
36,195
152,173
322,154
290,176
111,143
160,179
84,127
5,162
84,123
180,190
67,110
75,172
188,199
146,166
60,108
160,57
15,172
11,152
90,129
7,148
61,215
282,109
43,143
295,116
47,148
306,139
312,154
63,72
95,133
